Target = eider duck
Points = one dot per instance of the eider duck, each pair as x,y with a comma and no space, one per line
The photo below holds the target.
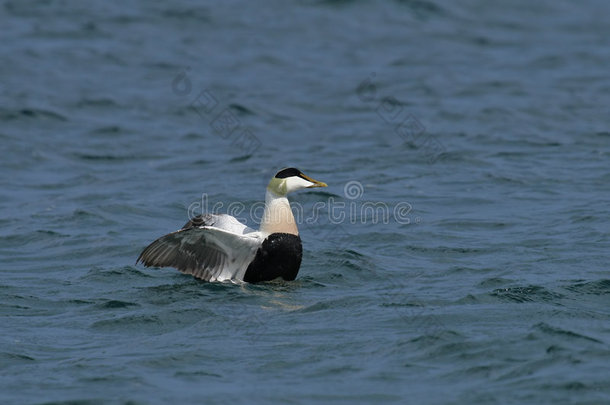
217,247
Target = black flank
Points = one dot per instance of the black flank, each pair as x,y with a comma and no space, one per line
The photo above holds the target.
279,256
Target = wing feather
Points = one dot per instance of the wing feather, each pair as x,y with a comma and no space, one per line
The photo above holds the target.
206,252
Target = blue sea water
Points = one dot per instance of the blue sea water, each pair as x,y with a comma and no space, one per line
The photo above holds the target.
459,254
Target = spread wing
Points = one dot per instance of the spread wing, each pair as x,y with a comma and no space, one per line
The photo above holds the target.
206,252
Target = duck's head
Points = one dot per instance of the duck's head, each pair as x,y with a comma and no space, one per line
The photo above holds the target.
290,179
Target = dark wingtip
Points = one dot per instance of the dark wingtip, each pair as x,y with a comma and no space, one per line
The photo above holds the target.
140,258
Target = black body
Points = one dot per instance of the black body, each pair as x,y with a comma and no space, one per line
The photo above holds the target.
279,256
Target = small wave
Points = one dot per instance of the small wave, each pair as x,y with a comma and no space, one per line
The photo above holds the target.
111,275
494,282
241,158
199,15
448,250
240,109
334,304
114,304
474,224
133,322
531,293
108,130
7,358
97,102
598,287
423,7
41,235
551,330
34,113
107,157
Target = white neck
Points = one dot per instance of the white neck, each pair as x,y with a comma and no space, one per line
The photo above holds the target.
278,215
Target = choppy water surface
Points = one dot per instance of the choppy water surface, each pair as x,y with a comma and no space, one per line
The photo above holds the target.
466,148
